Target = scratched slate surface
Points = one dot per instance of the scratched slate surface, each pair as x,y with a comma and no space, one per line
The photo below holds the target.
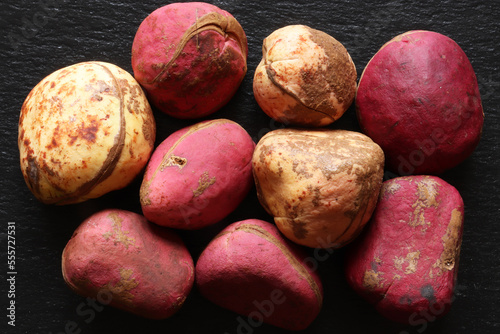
39,37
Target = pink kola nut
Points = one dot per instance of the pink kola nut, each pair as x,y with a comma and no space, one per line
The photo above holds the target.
406,261
198,175
120,259
251,269
190,58
418,98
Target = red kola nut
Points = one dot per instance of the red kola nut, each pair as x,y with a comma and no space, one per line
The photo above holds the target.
122,260
406,261
190,58
251,269
198,175
418,98
84,130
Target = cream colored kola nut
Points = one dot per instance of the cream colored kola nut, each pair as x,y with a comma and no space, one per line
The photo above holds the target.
306,77
84,130
321,186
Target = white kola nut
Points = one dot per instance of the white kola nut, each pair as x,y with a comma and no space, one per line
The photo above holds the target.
306,77
84,130
321,186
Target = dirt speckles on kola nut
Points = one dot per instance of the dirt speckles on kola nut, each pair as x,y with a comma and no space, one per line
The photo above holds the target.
406,262
84,130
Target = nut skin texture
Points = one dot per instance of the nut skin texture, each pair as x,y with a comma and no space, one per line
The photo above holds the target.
250,263
133,265
84,130
321,186
418,98
305,78
190,58
406,261
198,175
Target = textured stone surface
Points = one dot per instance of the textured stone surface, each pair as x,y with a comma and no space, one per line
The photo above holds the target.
40,37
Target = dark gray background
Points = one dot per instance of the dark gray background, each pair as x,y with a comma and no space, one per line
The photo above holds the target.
39,37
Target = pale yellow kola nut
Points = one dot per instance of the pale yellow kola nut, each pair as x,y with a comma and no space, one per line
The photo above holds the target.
321,186
306,77
84,130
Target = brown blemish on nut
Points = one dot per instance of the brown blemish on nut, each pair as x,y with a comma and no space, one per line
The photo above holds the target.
411,259
372,280
398,262
451,243
117,234
145,186
204,182
301,169
389,188
296,114
174,160
299,229
123,287
33,174
316,201
149,127
340,72
226,26
86,131
427,192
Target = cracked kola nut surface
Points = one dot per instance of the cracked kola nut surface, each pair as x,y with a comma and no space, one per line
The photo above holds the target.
190,58
84,130
118,258
418,98
321,186
249,268
198,175
306,77
406,262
